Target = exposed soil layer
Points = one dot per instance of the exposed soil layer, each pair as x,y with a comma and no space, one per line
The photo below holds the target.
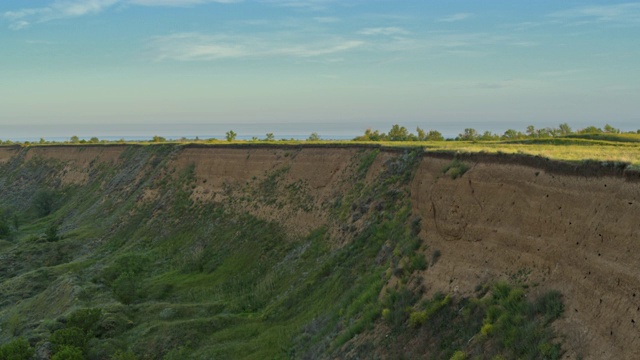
555,225
575,233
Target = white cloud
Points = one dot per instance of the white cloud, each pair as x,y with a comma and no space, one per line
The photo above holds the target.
61,9
179,2
326,19
624,13
200,47
386,31
313,5
456,17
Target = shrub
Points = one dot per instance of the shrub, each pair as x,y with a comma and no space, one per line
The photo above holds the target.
52,233
44,202
455,169
419,262
417,318
459,355
435,256
85,319
67,352
121,355
125,287
386,313
5,231
18,349
68,337
487,329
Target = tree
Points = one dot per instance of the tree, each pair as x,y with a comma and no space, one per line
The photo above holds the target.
231,135
564,129
370,135
435,135
488,136
469,134
74,139
94,140
611,130
590,130
314,137
158,139
270,137
18,349
398,133
531,131
44,202
510,134
422,136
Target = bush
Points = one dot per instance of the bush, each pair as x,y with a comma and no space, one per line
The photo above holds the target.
435,256
419,262
44,202
459,355
67,352
85,319
70,336
417,318
125,288
18,349
5,229
52,233
121,355
455,169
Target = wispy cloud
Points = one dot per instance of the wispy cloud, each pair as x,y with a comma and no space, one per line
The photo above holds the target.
386,31
179,2
619,13
61,9
201,47
309,5
326,19
456,17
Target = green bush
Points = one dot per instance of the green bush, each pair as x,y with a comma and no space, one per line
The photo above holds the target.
125,288
18,349
121,355
68,352
5,229
459,355
417,318
44,202
85,319
70,336
52,233
455,169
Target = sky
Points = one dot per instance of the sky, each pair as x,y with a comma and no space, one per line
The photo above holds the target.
190,67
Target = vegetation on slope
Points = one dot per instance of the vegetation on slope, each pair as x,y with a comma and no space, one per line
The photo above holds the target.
94,271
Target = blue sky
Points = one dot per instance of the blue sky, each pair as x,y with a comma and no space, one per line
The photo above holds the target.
119,67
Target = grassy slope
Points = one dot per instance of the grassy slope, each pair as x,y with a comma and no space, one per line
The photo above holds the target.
176,279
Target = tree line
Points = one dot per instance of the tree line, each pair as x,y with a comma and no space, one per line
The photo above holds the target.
400,133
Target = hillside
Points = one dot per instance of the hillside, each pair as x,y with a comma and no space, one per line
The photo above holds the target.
204,252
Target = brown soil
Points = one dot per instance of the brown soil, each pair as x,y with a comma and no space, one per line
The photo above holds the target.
576,234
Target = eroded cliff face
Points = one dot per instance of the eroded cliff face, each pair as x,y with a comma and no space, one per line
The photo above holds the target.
575,233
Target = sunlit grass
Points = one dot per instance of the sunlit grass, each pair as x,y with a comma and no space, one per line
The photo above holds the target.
574,148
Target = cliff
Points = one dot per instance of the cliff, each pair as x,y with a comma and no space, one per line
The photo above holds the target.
284,245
